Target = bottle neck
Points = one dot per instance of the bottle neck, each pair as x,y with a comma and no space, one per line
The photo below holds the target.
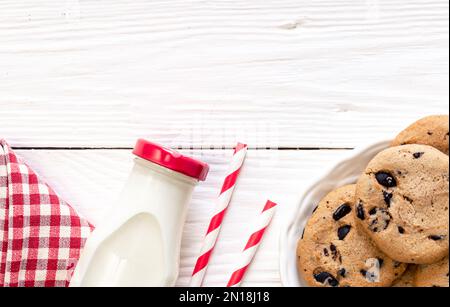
154,189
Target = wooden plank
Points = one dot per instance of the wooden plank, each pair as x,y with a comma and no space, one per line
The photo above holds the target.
273,73
91,180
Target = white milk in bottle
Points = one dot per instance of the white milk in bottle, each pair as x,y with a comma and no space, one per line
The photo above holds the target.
138,242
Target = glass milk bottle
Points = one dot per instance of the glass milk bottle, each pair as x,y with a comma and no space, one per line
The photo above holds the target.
138,242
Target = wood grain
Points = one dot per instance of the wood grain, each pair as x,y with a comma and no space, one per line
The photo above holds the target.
91,180
275,73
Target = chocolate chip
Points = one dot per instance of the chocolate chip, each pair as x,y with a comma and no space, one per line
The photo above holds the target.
322,276
325,252
418,155
325,277
336,256
343,231
360,212
401,229
342,272
342,211
373,211
363,273
386,179
387,198
380,262
436,237
333,282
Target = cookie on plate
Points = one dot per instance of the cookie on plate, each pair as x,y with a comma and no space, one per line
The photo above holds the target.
333,252
402,203
407,279
432,275
431,130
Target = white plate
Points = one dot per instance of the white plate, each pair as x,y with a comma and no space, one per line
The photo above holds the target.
344,172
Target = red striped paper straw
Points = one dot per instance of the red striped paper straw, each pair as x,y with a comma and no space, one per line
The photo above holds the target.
215,224
253,243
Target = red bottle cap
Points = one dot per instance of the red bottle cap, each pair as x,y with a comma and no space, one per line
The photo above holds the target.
171,159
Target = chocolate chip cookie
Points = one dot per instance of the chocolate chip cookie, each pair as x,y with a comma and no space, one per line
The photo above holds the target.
407,279
431,130
402,203
432,275
334,253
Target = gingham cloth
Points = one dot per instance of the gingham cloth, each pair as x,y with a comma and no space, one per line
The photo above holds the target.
41,236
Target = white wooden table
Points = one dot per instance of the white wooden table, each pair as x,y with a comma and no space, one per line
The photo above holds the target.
301,81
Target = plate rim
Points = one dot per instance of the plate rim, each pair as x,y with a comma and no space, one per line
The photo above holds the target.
288,227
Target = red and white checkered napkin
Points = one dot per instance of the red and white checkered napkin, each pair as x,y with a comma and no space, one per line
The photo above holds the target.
41,236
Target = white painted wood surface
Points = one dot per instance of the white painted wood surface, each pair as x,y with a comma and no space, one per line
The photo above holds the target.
291,74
